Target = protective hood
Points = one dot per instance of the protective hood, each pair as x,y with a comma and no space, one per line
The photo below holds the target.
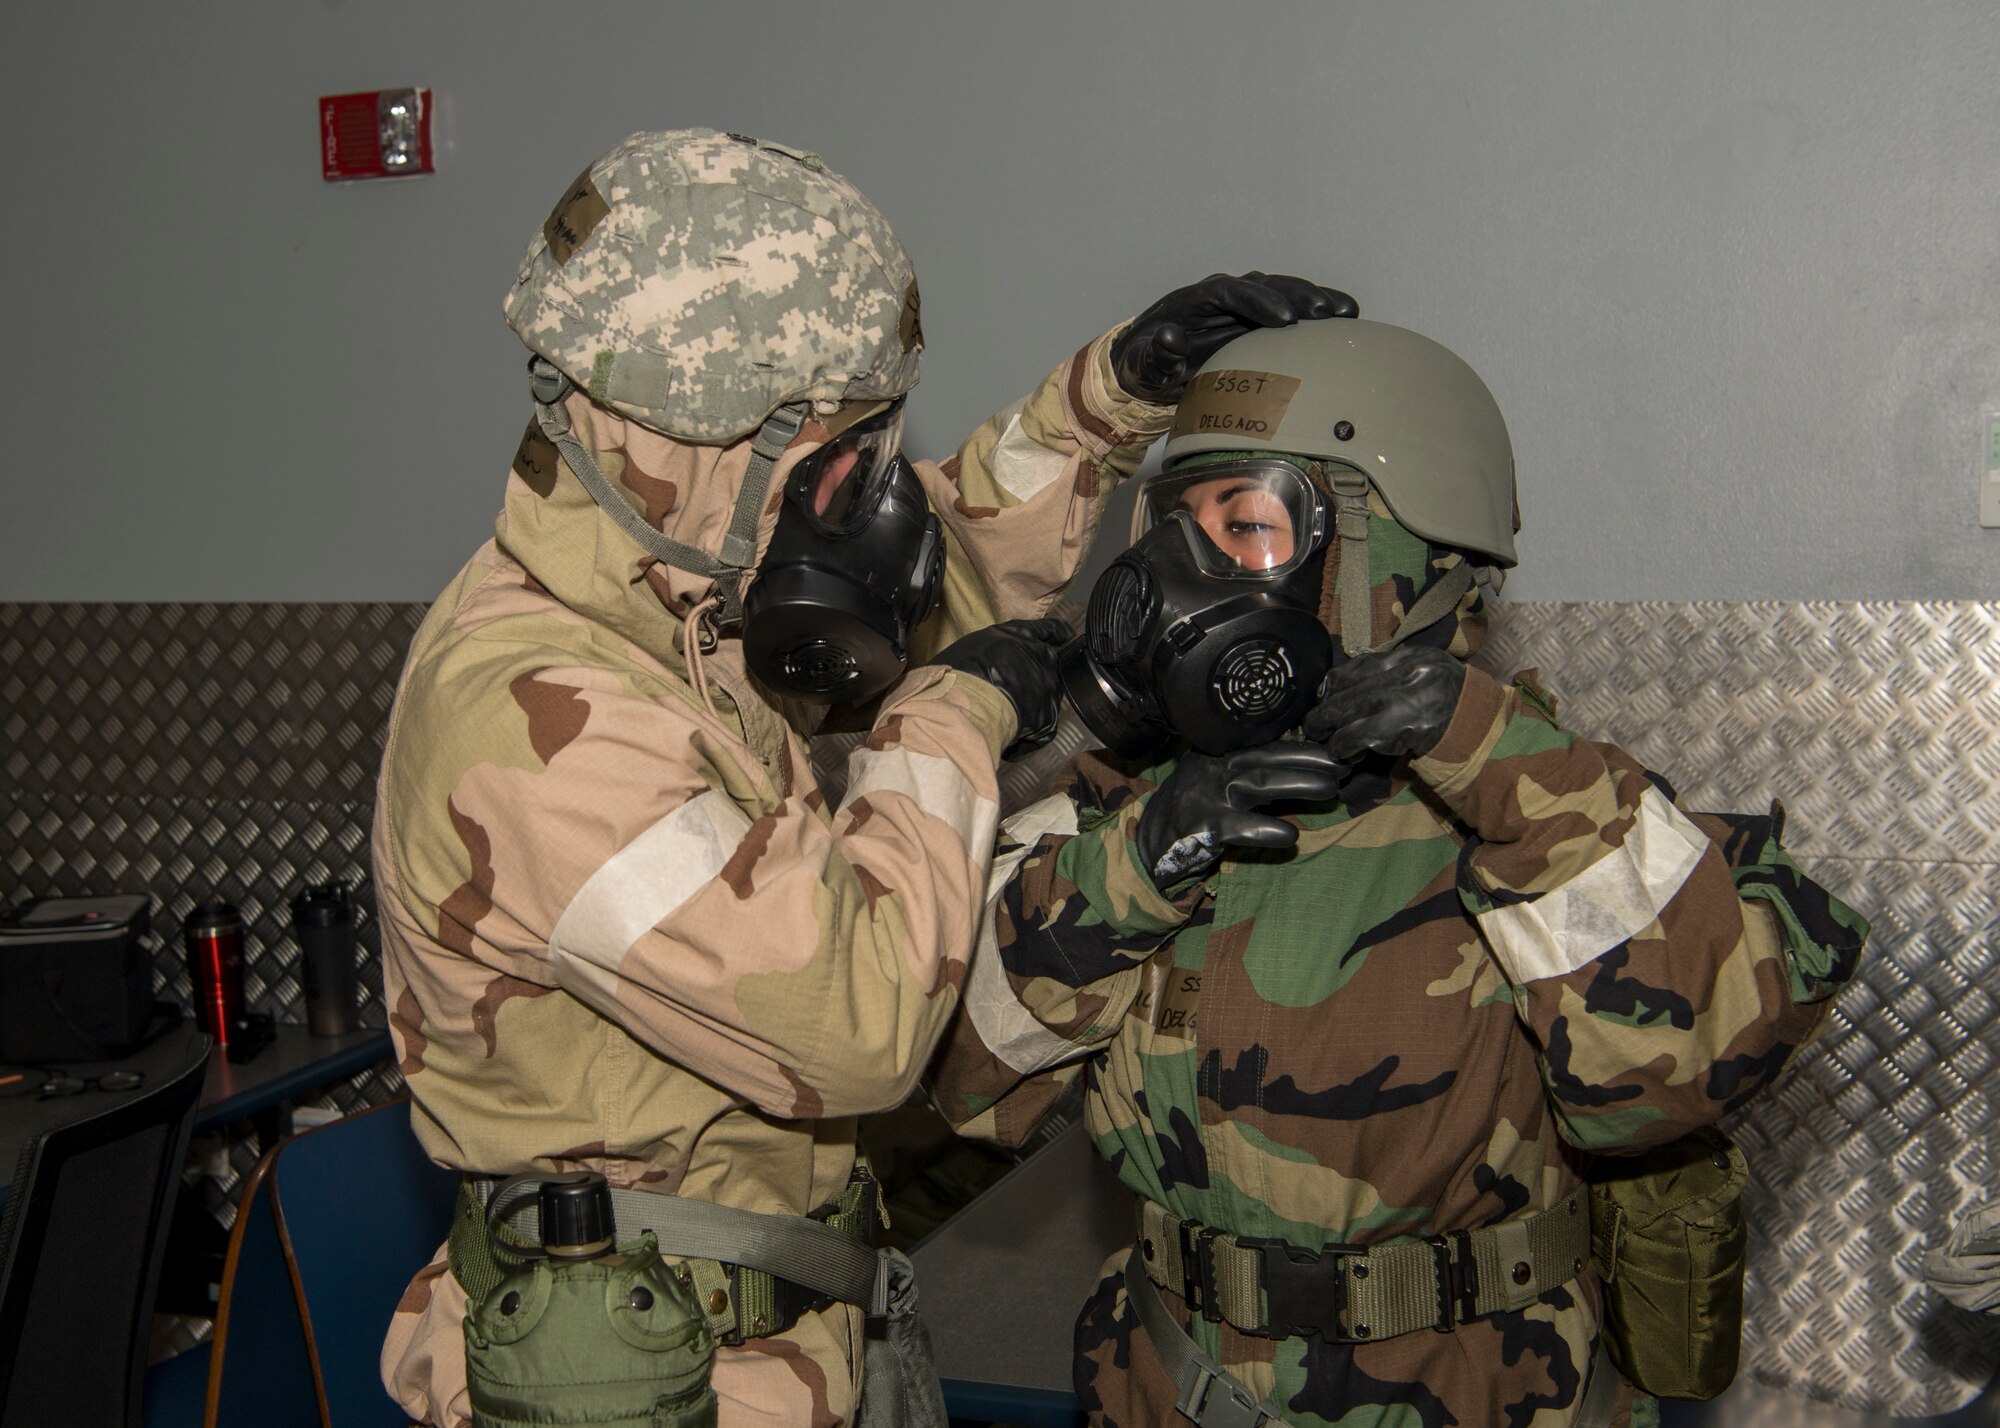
686,491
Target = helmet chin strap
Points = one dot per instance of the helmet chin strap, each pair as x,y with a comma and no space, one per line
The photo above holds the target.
549,386
1357,613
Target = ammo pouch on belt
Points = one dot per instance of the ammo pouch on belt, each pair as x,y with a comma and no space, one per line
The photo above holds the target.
626,1339
1669,1240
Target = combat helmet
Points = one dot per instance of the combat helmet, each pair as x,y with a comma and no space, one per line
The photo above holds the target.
1403,411
696,282
713,287
1378,407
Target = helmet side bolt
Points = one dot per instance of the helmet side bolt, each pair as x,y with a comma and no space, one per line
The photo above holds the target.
1343,431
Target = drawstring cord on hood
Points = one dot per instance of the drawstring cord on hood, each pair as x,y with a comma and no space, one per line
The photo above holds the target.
691,647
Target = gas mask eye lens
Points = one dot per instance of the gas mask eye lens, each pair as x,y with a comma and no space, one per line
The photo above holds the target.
831,485
1255,517
1248,522
839,486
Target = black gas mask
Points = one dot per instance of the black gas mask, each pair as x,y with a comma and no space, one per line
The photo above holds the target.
1208,627
852,569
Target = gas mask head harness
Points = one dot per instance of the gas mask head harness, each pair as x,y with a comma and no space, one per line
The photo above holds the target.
852,569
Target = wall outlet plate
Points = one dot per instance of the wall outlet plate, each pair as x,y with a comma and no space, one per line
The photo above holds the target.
1989,476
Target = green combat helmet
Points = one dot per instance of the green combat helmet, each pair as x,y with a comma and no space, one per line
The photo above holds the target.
696,282
713,287
1381,406
1405,411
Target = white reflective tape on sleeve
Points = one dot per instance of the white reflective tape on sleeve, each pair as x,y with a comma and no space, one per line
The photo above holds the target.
1028,826
1006,1027
637,888
1023,466
934,784
1615,898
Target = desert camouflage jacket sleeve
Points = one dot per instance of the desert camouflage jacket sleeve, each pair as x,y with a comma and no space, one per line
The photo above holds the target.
1666,964
1022,498
1072,924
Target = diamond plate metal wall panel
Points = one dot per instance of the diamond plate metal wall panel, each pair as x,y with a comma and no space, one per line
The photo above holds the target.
258,702
1879,727
190,751
1877,723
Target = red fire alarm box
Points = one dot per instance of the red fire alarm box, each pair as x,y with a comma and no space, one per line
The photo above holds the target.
383,133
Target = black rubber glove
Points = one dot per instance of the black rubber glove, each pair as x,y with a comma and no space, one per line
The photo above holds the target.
1394,702
1167,343
1206,805
1018,658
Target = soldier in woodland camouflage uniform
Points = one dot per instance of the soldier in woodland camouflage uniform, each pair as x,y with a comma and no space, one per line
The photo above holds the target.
624,931
1500,950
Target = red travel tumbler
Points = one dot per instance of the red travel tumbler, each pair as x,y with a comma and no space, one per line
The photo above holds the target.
214,934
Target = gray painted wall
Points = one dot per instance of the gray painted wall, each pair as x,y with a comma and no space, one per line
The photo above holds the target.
1733,269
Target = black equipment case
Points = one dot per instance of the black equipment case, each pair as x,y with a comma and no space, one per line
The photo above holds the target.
75,982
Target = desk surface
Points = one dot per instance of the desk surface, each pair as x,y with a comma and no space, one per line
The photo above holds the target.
1001,1282
297,1062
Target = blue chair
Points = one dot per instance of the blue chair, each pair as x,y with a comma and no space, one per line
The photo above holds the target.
362,1209
332,1225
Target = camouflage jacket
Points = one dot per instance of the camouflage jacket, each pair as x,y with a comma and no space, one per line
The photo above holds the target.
623,930
1478,969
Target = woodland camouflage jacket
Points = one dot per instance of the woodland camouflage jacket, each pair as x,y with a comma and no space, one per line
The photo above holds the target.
626,932
1476,970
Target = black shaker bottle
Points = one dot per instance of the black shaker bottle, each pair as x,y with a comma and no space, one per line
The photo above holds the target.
323,917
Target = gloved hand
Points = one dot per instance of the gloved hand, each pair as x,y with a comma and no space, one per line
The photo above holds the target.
1967,1270
1018,658
1168,342
1393,702
1205,805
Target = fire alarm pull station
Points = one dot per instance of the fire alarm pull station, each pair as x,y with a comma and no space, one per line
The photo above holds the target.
383,133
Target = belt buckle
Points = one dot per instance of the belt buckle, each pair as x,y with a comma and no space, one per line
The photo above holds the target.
1198,1270
1457,1280
1305,1291
1234,1408
734,1337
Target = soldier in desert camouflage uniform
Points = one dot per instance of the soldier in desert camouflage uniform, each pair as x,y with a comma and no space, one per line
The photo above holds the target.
1412,1009
624,931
